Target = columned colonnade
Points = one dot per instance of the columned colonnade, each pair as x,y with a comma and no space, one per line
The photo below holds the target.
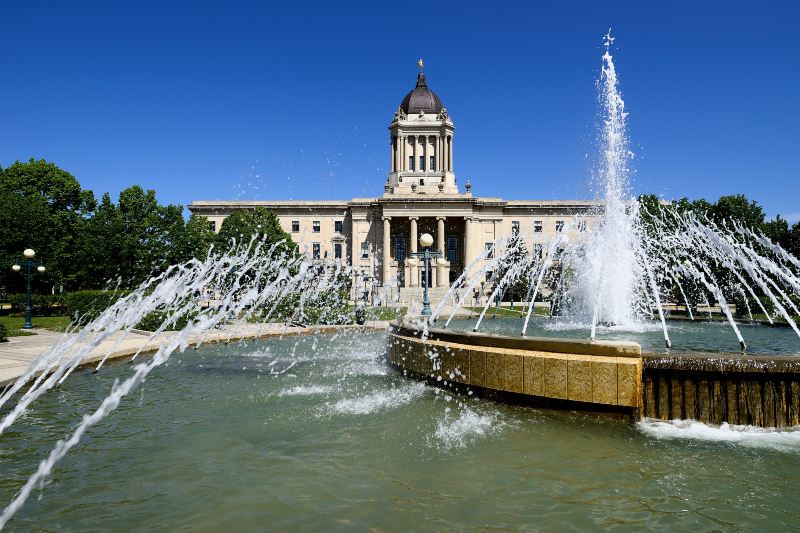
422,145
439,272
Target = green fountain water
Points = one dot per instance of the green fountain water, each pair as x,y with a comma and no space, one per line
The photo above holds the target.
317,433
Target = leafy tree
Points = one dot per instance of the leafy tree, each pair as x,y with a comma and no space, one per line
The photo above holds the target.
48,209
241,226
101,247
738,208
195,240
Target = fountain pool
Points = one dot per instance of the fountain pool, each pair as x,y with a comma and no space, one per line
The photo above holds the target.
318,433
686,335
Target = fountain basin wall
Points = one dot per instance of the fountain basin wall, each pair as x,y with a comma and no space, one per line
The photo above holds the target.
572,374
738,389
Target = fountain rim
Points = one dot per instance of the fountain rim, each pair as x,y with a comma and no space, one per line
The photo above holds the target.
541,344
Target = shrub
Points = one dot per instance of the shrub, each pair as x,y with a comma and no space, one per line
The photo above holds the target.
152,321
41,304
3,333
87,305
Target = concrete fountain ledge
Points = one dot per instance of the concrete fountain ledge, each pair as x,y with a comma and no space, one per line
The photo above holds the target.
561,373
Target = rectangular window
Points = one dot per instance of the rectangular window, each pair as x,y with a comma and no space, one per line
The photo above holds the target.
315,226
399,249
337,226
315,250
537,226
489,275
337,250
212,226
452,249
537,251
515,226
422,182
559,225
432,162
422,162
489,249
295,226
365,250
411,162
581,226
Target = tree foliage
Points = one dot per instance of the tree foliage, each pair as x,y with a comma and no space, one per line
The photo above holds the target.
86,244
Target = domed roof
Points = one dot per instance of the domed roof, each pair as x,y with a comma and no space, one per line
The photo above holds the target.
421,99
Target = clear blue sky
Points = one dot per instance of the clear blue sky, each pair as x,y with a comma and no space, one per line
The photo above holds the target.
291,100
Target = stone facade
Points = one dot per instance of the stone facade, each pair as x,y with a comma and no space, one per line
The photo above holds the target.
420,195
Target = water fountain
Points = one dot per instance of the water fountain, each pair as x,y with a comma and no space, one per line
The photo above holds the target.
613,285
617,282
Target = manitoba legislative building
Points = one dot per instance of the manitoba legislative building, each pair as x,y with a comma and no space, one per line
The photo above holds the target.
420,195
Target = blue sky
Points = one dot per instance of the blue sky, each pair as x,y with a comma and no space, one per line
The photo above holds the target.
291,100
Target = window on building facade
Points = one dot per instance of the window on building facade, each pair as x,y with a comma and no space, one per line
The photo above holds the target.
515,226
581,226
295,226
315,250
489,249
537,226
337,250
337,226
432,162
365,250
399,249
315,226
212,226
411,162
452,249
489,275
422,162
559,225
422,182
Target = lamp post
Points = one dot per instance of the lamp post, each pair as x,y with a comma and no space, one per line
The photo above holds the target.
426,241
28,263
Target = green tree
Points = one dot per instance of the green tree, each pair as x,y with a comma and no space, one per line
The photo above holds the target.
47,210
196,239
101,246
241,226
737,208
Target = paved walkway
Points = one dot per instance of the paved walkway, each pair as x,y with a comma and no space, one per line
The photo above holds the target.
18,353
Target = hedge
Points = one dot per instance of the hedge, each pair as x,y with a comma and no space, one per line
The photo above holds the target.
87,305
3,333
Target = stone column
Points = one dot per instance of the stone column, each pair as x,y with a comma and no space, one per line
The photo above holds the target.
393,150
442,277
468,237
412,247
450,153
401,150
387,247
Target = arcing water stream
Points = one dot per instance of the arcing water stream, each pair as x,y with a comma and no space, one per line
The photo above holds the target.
625,270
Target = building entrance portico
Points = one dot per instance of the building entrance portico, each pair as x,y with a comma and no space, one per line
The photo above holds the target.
450,239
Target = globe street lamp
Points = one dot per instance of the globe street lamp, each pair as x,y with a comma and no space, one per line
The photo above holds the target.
426,241
28,263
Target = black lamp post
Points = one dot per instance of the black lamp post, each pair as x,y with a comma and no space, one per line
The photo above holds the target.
426,241
28,263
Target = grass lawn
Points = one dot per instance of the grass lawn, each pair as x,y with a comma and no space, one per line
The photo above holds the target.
53,323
